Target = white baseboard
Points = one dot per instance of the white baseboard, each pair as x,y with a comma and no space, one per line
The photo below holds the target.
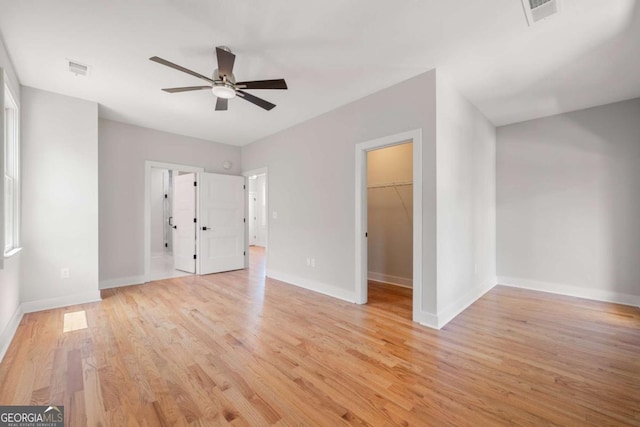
9,331
312,285
570,290
121,281
461,304
426,319
65,301
389,279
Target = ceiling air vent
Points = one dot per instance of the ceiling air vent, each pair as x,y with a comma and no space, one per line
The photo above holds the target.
535,10
77,68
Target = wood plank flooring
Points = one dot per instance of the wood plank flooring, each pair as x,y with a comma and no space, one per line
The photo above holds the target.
232,349
392,299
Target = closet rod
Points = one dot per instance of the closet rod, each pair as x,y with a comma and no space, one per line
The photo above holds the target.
392,184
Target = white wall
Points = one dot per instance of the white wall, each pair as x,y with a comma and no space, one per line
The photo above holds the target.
157,211
312,186
123,149
569,203
466,182
59,198
390,214
10,273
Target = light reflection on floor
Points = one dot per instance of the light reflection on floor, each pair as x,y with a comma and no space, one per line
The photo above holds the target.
74,321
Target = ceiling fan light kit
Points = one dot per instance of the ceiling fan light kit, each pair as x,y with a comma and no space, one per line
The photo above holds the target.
223,82
223,91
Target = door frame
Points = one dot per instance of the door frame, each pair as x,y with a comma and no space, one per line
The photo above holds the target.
414,136
247,174
148,164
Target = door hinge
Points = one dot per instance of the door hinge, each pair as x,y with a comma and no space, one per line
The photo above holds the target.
195,184
195,220
195,257
166,245
244,187
244,219
366,234
245,253
166,196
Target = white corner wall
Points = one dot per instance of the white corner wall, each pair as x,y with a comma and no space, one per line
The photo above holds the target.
312,181
59,199
123,150
466,179
569,203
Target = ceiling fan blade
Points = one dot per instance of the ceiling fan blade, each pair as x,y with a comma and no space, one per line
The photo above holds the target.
221,104
263,84
179,68
185,89
255,100
225,61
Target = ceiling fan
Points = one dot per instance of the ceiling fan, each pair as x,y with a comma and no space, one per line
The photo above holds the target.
223,82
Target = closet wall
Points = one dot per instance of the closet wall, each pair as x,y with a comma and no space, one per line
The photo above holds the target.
390,214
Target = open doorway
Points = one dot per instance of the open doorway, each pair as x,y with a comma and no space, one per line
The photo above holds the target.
362,218
168,209
390,228
161,216
257,220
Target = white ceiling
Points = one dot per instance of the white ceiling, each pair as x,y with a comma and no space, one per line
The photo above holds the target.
330,52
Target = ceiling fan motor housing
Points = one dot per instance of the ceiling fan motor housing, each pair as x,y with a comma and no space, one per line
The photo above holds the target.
216,77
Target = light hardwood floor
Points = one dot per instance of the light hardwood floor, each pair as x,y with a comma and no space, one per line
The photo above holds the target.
232,349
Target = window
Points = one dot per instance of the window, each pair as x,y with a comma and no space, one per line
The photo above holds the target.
11,173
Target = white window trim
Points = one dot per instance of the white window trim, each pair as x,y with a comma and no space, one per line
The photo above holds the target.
15,248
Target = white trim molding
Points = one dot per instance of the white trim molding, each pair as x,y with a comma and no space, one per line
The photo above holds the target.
9,331
404,282
427,319
440,320
312,285
58,302
461,304
121,281
570,290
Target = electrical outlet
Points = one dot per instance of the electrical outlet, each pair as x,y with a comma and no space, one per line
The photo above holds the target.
64,273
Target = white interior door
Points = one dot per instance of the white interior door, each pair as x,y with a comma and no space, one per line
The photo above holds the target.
221,221
184,227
